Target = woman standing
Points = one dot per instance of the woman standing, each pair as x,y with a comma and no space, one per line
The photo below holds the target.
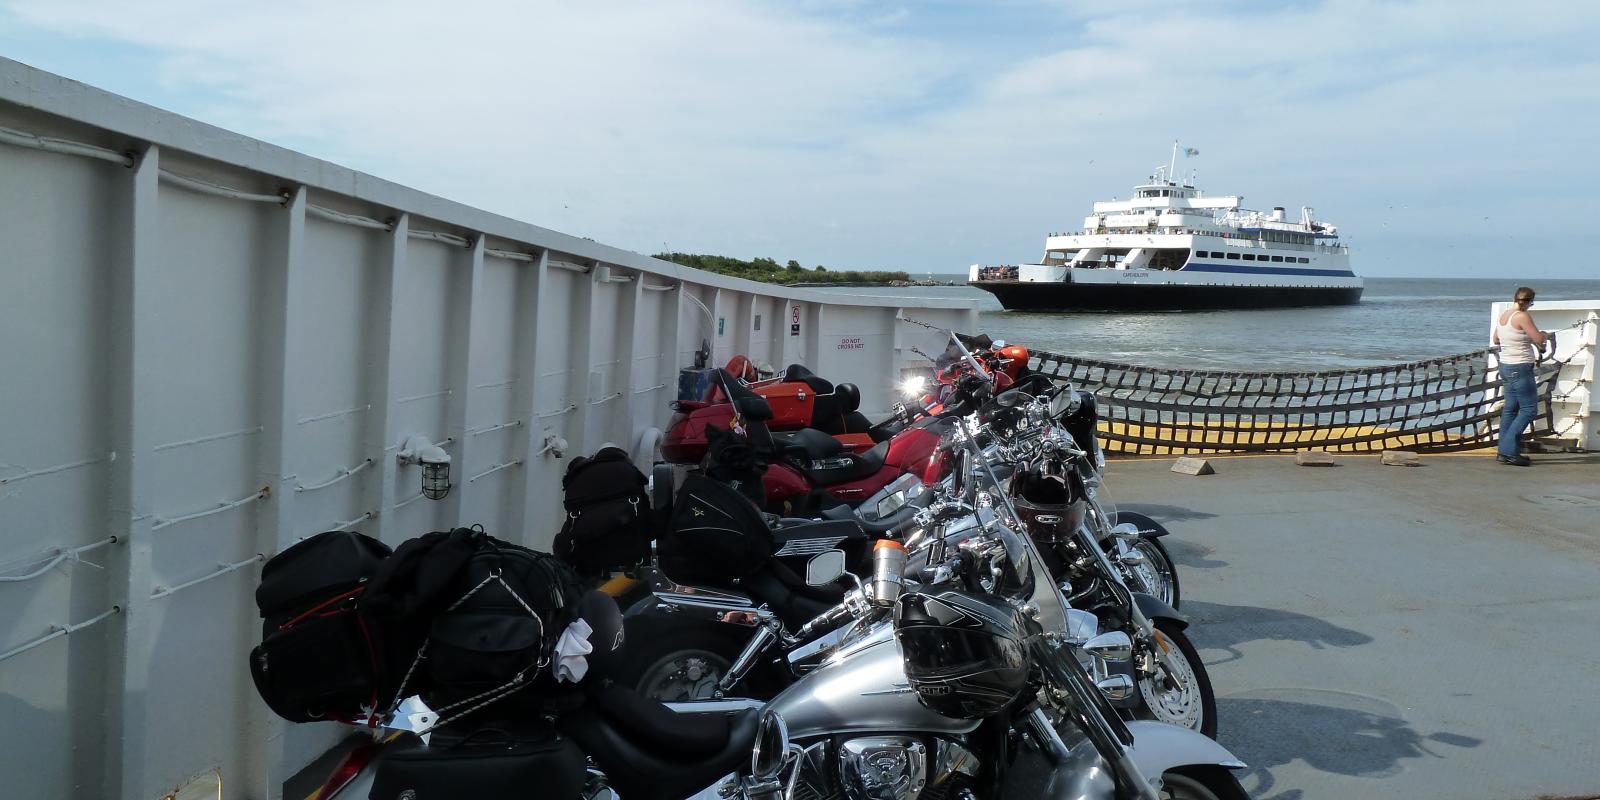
1520,342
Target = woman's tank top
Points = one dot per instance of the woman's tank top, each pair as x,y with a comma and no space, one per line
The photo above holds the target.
1515,346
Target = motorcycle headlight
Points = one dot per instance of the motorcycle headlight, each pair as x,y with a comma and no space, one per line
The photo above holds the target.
913,386
772,745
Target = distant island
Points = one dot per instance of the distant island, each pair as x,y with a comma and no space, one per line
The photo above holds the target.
768,270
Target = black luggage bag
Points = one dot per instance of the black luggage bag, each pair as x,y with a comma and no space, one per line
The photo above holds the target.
608,514
716,535
319,658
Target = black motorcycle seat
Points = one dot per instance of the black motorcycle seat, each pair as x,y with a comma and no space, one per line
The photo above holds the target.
791,598
855,468
807,444
798,373
659,729
649,752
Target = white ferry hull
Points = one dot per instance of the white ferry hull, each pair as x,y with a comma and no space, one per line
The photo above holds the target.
1164,291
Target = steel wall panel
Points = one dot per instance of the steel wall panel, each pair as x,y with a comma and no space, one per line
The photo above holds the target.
229,336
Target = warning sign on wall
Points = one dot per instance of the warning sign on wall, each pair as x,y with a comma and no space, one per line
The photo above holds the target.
794,320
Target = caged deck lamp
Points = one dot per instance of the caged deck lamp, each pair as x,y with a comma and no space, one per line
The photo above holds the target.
435,464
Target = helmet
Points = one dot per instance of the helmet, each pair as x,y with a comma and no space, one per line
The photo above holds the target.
963,653
1016,361
1051,505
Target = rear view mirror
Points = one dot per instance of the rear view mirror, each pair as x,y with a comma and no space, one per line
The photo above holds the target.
825,568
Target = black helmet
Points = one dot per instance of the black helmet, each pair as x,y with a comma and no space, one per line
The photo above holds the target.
1051,505
963,653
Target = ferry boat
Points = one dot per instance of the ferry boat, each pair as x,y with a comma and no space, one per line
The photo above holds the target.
1173,248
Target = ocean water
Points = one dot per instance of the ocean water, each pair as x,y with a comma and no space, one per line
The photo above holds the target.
1398,319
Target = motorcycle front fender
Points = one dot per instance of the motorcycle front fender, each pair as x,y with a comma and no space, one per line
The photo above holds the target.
1154,608
1158,747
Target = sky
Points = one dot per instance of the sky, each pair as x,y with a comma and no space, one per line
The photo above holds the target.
1445,138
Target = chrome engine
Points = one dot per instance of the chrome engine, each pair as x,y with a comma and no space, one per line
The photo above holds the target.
882,768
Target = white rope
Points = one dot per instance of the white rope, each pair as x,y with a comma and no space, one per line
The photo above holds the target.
651,389
428,396
203,439
215,190
332,414
492,428
348,524
344,473
556,413
496,468
510,255
53,145
58,631
162,523
59,555
568,267
408,501
440,236
222,569
608,398
650,287
52,470
347,219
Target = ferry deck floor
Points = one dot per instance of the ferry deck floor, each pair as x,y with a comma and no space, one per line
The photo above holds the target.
1382,631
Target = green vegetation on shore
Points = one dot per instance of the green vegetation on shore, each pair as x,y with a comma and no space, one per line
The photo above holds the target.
768,270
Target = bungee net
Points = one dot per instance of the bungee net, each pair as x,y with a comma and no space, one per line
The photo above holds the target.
1435,405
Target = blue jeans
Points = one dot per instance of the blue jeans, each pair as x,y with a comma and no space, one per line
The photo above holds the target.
1522,402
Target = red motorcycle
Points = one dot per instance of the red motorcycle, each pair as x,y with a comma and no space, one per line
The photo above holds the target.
798,399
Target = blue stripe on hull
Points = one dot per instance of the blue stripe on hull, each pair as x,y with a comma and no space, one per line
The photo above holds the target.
1244,270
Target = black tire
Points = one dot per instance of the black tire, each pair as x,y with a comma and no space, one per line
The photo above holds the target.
659,646
1205,703
1153,548
1201,783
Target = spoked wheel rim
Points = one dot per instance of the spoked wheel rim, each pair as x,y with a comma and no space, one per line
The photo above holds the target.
684,675
1153,570
1172,691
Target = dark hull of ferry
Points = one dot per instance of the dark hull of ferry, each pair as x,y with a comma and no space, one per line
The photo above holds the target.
1042,296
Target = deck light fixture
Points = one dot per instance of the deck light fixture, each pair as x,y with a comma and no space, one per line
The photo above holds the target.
435,464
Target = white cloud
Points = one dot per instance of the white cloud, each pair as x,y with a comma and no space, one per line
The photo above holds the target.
847,133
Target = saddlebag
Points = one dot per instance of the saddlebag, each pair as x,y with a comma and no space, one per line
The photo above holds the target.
608,514
496,636
488,764
716,535
319,657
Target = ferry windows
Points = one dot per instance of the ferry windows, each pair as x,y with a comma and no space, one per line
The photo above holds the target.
1305,261
1277,258
1233,256
1249,256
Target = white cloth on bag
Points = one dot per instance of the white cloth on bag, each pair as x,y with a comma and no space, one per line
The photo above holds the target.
571,648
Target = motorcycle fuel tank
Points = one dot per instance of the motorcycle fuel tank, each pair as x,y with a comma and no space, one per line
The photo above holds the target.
863,687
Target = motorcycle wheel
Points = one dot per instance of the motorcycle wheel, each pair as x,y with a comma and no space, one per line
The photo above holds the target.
670,660
1201,783
1158,572
1183,697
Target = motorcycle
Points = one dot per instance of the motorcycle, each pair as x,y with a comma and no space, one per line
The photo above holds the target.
690,635
958,653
